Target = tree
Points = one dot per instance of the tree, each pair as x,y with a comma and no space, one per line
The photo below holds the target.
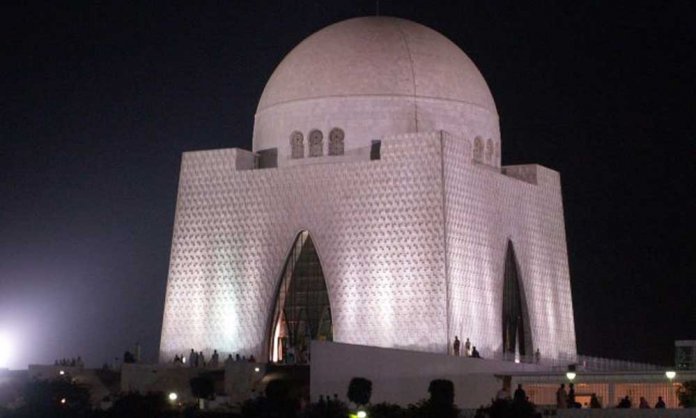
360,391
441,402
687,394
53,398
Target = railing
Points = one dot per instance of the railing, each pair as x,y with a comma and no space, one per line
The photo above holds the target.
581,362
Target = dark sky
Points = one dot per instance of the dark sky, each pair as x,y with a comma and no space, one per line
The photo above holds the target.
98,100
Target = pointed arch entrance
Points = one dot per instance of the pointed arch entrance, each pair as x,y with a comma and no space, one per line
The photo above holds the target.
517,337
302,312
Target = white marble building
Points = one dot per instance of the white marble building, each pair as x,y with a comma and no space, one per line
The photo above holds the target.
373,210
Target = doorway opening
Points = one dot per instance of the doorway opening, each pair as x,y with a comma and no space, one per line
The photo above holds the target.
301,312
517,338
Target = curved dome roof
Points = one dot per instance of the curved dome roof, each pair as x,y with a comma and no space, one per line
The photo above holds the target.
377,56
367,79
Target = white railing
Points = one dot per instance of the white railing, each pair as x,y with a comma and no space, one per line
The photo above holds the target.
581,362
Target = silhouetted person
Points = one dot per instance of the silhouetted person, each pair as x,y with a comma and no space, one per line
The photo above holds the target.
214,359
643,403
594,402
455,345
192,358
561,397
660,403
537,356
252,359
475,353
237,358
467,348
520,395
571,397
625,403
201,359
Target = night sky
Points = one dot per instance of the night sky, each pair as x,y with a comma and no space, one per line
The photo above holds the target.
98,101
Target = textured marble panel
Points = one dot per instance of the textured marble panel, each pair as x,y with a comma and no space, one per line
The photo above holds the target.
377,225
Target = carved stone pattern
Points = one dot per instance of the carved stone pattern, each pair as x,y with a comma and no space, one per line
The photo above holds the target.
406,266
377,226
483,210
316,143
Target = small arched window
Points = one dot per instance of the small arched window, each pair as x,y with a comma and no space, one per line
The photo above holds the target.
336,141
478,149
316,143
496,154
296,145
489,150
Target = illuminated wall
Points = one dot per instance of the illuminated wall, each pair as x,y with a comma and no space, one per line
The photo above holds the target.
412,247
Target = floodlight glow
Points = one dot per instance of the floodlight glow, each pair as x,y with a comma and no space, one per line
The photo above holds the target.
362,414
571,375
5,350
671,374
173,396
63,400
256,369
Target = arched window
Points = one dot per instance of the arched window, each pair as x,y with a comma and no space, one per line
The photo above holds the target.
316,143
478,149
489,150
302,311
296,145
336,141
496,154
517,336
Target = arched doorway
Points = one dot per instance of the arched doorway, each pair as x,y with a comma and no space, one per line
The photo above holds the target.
517,338
301,312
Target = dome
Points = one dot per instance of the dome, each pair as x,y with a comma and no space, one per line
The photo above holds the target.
372,77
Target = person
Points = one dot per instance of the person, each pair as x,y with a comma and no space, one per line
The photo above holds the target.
594,402
625,403
252,359
467,347
571,397
177,359
475,353
643,403
201,359
229,360
237,358
520,395
503,394
537,356
561,397
660,403
214,359
192,358
455,345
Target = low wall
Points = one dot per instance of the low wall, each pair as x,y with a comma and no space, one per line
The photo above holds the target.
403,377
626,413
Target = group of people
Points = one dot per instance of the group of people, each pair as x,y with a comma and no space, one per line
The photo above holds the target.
518,396
469,350
72,362
567,400
197,359
625,403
